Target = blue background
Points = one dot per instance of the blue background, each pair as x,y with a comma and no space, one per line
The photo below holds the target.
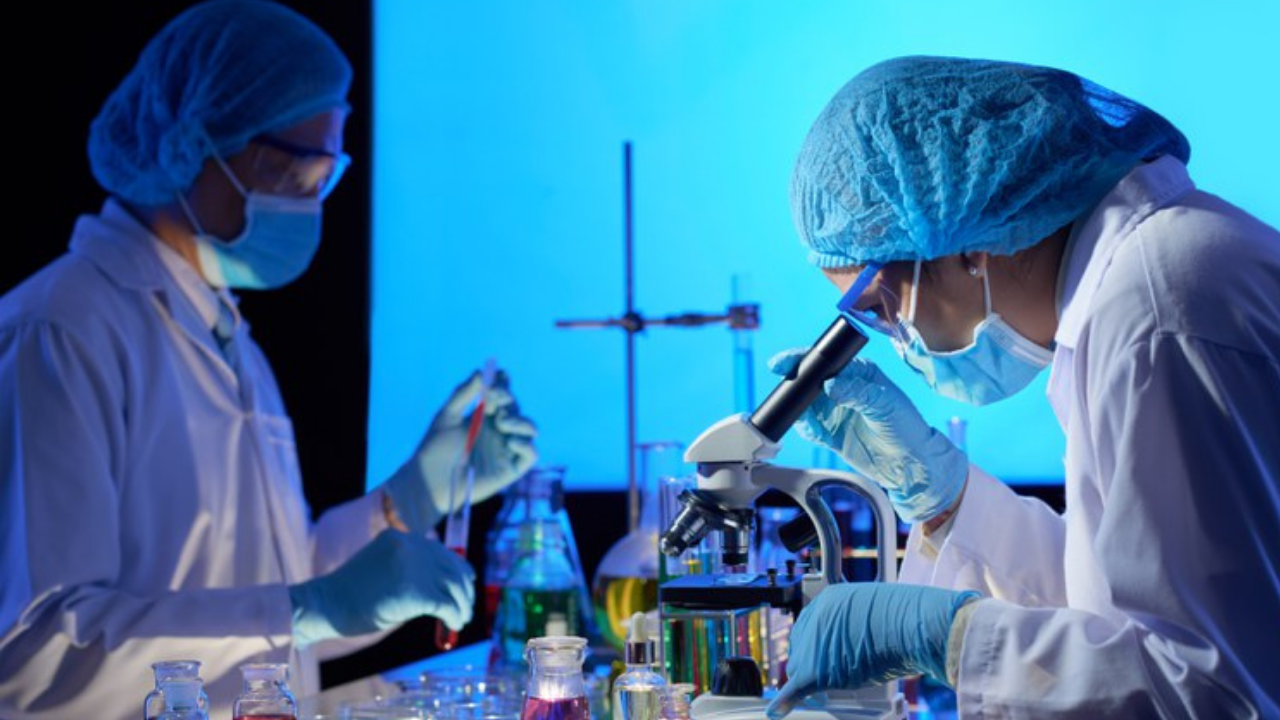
497,190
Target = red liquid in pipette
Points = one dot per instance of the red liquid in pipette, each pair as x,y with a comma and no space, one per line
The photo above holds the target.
447,639
567,709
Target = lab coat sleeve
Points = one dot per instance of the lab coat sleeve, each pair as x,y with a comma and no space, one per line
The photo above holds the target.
1001,544
1184,436
343,529
69,634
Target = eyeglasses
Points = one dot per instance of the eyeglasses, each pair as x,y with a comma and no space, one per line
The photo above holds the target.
887,301
311,172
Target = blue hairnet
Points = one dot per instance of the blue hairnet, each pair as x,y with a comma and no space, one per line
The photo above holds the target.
222,72
923,157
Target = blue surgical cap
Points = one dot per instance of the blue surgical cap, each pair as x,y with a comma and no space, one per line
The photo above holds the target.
923,157
215,77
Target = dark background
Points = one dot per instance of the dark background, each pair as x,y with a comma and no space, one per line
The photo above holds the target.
315,331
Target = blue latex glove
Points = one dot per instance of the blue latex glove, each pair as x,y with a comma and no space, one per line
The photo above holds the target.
503,452
396,577
856,634
869,422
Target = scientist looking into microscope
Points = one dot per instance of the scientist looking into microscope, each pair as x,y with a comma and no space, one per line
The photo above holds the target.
1017,218
151,506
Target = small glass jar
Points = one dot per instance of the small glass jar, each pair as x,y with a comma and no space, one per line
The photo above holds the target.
266,693
172,670
556,687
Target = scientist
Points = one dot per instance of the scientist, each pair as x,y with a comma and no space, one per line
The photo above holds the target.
150,502
1006,218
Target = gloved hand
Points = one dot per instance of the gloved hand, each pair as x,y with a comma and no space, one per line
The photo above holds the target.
869,422
420,489
856,634
396,577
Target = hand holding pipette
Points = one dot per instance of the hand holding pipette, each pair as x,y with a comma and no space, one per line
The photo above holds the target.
497,443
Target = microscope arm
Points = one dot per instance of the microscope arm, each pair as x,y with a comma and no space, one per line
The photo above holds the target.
804,487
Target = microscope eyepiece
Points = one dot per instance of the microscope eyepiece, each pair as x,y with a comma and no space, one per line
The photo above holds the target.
796,392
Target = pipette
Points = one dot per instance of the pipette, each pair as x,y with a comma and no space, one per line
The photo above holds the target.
457,526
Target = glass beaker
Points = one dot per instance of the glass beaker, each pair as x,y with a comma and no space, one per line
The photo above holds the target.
626,581
266,693
556,689
701,559
166,670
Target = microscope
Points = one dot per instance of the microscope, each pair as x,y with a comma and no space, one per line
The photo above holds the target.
733,470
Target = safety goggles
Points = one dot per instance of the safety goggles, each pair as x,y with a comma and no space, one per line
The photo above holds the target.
310,172
881,306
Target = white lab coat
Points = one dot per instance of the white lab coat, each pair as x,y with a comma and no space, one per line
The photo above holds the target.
150,502
1157,593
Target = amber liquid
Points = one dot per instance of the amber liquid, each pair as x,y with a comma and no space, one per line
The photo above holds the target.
616,599
567,709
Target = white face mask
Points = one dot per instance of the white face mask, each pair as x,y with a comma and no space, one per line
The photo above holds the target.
280,237
998,363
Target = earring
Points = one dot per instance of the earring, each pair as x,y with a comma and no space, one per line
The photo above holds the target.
973,271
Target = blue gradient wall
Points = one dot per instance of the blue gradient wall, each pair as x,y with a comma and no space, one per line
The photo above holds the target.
498,204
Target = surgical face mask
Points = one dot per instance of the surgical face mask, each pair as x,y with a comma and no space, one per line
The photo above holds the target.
998,363
280,237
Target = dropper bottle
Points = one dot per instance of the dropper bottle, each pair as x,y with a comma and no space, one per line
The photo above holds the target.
637,693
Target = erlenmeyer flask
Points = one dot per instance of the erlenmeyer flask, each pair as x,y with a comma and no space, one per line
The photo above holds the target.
626,581
543,593
539,494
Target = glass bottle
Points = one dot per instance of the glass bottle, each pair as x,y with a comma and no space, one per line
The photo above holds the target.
626,581
266,693
556,688
638,692
182,699
676,699
166,671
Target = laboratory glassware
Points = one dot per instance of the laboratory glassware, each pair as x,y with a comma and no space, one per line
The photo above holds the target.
542,596
457,528
675,701
182,699
638,692
538,495
556,689
266,693
167,670
626,581
373,710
